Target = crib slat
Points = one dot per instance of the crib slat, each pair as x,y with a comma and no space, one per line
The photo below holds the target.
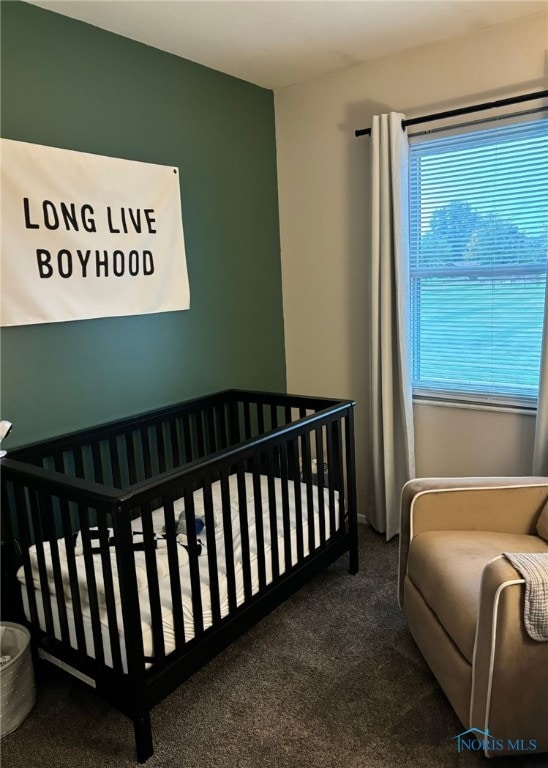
228,540
129,603
255,409
97,462
161,446
147,456
260,418
175,451
120,450
156,619
39,537
259,523
321,498
58,462
110,600
91,584
287,414
78,456
273,514
199,431
307,477
338,480
221,426
330,478
233,422
211,553
244,530
209,416
189,452
175,574
115,461
203,422
48,525
293,469
131,459
193,563
66,525
247,420
21,520
288,561
274,416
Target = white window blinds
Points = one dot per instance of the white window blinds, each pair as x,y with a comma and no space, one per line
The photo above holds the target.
478,247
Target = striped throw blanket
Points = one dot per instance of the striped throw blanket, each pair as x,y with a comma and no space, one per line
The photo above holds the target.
534,569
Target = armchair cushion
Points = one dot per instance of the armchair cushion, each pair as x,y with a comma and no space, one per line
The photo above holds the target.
446,567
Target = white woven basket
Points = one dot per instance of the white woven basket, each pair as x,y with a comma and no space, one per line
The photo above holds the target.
17,689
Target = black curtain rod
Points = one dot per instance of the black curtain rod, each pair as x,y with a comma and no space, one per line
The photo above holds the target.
464,110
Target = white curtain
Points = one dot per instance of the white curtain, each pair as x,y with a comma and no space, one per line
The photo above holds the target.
392,440
540,454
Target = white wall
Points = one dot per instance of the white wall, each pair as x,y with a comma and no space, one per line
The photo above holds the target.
322,170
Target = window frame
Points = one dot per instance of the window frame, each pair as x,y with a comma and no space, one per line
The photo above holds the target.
459,395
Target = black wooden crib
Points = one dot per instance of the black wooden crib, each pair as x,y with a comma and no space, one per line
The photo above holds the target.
148,544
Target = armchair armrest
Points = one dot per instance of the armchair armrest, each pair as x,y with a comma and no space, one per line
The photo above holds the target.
507,504
510,670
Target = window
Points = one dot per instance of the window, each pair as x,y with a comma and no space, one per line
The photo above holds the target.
478,256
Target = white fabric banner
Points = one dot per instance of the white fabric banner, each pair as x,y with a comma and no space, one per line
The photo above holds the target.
86,236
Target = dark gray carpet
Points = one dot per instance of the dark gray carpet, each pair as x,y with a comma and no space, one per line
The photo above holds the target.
331,679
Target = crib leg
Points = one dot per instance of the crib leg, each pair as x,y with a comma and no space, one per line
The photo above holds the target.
354,559
143,737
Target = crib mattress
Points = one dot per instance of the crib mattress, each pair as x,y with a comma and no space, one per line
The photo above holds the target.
164,583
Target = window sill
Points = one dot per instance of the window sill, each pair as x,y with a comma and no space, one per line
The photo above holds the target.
474,406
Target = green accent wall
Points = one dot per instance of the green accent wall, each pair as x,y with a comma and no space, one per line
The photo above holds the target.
71,85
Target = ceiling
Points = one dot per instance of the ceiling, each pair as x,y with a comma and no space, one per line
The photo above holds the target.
276,43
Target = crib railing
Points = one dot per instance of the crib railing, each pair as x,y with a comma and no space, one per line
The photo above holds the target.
126,452
74,505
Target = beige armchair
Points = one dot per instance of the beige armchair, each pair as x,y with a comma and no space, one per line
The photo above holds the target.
464,602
